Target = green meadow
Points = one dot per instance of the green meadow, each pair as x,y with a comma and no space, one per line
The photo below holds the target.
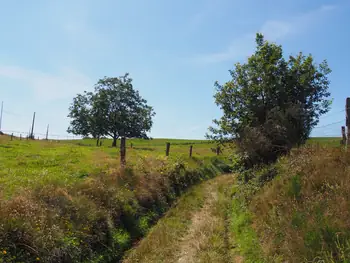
26,163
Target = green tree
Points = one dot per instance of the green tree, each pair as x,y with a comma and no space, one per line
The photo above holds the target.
114,109
271,103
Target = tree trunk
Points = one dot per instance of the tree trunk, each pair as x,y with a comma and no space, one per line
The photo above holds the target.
98,141
114,144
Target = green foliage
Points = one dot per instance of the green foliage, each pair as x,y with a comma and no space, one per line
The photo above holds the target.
295,187
244,234
271,104
298,219
115,109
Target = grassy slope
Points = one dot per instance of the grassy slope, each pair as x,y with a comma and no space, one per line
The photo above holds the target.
302,215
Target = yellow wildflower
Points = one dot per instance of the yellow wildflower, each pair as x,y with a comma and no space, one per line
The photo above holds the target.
37,259
4,252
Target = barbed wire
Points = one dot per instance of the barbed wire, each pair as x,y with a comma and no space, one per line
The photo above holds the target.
327,125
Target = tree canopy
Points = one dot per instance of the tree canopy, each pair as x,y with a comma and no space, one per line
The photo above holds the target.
271,103
114,109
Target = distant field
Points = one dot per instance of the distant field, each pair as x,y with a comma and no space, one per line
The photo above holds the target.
332,141
32,163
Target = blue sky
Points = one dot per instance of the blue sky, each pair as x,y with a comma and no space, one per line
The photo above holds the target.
174,51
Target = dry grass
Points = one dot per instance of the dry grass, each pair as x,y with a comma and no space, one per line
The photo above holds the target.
304,213
95,219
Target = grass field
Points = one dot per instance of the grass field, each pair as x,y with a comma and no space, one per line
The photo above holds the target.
31,163
331,141
69,201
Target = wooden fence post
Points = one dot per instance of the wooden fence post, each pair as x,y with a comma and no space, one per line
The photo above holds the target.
191,147
122,151
11,136
167,149
343,141
20,137
347,109
131,145
218,150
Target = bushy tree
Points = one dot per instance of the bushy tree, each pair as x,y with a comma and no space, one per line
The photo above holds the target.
115,109
271,103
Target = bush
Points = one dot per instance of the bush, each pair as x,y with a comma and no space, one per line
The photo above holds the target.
271,103
281,131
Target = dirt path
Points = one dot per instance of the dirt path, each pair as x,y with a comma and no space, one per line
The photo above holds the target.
202,223
193,233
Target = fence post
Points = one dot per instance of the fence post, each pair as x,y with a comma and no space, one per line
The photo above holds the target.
218,150
11,136
343,141
167,149
100,143
191,147
20,137
347,109
131,145
122,151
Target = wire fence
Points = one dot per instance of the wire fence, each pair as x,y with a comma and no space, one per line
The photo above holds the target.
41,136
327,130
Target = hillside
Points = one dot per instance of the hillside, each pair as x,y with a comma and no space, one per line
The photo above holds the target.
302,215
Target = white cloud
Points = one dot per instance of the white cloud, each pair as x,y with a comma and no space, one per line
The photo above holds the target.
236,49
272,29
48,86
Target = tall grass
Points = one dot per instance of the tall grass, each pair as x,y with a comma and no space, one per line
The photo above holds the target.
97,218
302,215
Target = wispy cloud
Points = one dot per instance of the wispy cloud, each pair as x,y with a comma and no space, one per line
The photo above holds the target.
208,9
46,86
273,30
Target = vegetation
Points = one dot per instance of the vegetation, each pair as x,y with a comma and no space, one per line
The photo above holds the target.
115,109
195,230
295,210
34,163
271,104
71,203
